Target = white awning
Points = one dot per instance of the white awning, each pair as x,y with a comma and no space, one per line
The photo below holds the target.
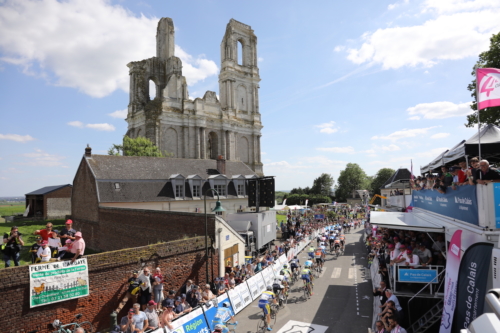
405,221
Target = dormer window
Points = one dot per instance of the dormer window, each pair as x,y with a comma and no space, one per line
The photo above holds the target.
240,189
178,187
219,183
195,185
221,189
239,182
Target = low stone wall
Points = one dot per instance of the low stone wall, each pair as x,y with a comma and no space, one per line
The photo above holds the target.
108,273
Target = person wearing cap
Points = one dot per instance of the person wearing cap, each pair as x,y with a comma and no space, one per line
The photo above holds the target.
44,252
170,298
54,243
178,306
127,324
34,250
133,282
194,297
77,248
402,257
186,307
67,232
13,243
168,315
150,312
220,287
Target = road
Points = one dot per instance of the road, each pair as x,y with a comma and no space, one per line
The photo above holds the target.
342,300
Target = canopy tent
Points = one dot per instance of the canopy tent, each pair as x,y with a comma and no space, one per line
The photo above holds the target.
424,169
405,221
437,162
490,145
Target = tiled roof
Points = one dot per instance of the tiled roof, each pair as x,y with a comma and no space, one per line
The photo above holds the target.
48,189
399,174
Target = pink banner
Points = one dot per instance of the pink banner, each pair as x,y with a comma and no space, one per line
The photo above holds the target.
450,283
488,93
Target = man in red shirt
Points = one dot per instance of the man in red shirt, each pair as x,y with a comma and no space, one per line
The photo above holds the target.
45,233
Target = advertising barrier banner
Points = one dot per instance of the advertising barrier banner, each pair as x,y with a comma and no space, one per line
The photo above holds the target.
418,275
496,198
254,287
244,292
268,276
54,282
283,260
472,284
236,300
210,310
192,322
261,283
276,268
460,204
450,282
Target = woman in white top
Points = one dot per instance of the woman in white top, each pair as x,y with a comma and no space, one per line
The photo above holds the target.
44,252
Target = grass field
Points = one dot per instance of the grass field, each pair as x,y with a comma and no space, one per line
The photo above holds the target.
280,218
12,209
27,229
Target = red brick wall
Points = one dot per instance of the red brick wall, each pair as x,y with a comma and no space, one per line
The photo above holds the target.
120,228
84,195
179,260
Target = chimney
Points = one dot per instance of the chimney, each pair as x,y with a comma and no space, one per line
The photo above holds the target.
88,151
221,165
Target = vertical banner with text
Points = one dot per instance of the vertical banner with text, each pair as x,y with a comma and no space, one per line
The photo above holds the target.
58,281
450,282
471,287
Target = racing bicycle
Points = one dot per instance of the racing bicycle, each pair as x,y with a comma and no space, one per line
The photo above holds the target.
71,327
262,324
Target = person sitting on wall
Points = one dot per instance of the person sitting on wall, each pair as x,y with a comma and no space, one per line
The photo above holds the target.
67,232
77,248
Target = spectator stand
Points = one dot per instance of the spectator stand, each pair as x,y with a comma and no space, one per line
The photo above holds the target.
241,296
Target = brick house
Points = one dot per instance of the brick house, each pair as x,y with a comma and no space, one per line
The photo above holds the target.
50,202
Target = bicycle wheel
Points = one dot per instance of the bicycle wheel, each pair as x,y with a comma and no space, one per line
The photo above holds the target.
306,292
261,325
87,326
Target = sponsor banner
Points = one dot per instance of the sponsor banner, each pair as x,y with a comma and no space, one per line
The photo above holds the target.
192,322
460,204
291,252
472,284
268,276
210,310
244,292
253,286
236,300
450,282
276,268
418,275
488,94
319,216
496,198
58,281
495,268
261,283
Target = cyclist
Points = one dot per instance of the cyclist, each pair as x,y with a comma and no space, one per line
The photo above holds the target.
308,263
220,319
264,300
322,246
286,273
318,254
337,245
310,252
279,284
342,242
294,264
331,239
307,277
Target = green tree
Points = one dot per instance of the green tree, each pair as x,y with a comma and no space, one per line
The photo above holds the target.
351,179
487,59
379,179
139,146
323,185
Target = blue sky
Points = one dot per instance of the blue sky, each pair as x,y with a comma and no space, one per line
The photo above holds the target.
371,82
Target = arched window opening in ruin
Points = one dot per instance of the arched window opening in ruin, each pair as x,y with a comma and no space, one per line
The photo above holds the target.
240,53
152,90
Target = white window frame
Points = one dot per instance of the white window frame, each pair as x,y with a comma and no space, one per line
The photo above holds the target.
219,180
178,180
196,180
240,189
221,189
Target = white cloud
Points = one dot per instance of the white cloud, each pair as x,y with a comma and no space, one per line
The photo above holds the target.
328,128
450,36
440,135
440,110
339,48
16,137
121,114
286,165
322,161
83,44
391,147
99,127
453,6
260,59
397,4
42,158
414,118
405,133
348,150
76,123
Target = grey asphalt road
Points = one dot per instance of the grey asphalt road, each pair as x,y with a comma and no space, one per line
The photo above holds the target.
342,300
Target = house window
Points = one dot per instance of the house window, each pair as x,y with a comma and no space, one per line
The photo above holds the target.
196,190
221,189
179,191
241,189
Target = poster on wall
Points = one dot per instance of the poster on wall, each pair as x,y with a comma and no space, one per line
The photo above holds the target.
58,281
210,309
192,322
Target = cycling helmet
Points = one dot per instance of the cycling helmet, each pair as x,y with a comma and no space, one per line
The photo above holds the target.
225,304
269,288
294,257
219,327
285,266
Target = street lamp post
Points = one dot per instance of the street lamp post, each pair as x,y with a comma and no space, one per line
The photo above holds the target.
218,208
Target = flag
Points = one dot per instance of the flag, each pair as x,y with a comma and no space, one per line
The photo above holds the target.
307,200
284,202
487,87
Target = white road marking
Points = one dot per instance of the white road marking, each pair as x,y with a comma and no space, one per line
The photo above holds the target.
336,272
366,297
293,326
351,273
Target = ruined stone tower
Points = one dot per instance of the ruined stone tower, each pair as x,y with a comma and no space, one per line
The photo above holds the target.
204,128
